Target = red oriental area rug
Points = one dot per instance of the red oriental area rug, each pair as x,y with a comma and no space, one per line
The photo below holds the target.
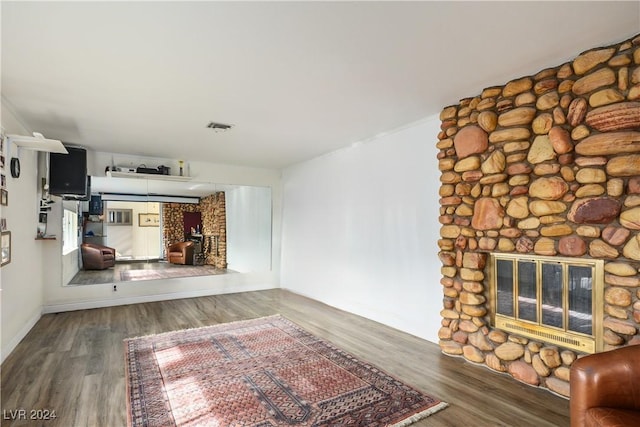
261,372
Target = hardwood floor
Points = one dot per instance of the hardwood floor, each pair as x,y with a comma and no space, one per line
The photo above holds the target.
158,270
73,362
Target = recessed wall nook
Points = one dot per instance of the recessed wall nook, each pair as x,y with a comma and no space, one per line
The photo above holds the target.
543,167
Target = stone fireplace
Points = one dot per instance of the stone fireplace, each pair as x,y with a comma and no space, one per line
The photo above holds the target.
545,166
214,226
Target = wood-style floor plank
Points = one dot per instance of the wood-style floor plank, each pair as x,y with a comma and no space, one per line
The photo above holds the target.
73,362
162,269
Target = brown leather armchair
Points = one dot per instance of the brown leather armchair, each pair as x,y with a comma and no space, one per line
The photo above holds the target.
97,257
181,253
605,389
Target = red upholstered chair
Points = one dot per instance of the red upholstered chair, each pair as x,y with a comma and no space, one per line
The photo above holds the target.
181,253
605,389
97,257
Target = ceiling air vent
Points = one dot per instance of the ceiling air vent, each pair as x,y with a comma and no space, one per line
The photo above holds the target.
219,127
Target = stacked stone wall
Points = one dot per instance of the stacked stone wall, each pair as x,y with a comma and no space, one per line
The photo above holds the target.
547,164
173,221
214,226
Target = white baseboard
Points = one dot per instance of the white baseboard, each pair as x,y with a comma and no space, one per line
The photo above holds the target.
13,343
111,302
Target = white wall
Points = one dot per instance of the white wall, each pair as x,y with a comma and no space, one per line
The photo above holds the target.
248,229
132,240
360,227
21,280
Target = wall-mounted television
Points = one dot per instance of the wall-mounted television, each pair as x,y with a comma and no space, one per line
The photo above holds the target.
68,173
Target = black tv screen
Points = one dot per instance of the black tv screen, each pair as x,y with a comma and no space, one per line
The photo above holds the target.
68,172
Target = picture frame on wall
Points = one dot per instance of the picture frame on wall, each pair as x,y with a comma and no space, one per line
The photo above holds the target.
149,220
5,245
3,181
4,197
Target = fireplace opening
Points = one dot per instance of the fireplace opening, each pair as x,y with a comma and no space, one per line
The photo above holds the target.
552,299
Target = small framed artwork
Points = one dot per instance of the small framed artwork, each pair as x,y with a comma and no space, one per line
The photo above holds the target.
3,224
42,217
4,197
149,220
5,241
2,161
3,180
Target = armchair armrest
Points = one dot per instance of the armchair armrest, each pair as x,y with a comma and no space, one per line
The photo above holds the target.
108,251
610,380
92,250
180,253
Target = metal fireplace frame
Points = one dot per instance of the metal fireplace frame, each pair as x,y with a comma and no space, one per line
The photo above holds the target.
587,343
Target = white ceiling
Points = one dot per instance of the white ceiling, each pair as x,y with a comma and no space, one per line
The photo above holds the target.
297,79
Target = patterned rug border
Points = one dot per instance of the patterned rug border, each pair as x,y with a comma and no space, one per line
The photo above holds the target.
233,322
279,317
